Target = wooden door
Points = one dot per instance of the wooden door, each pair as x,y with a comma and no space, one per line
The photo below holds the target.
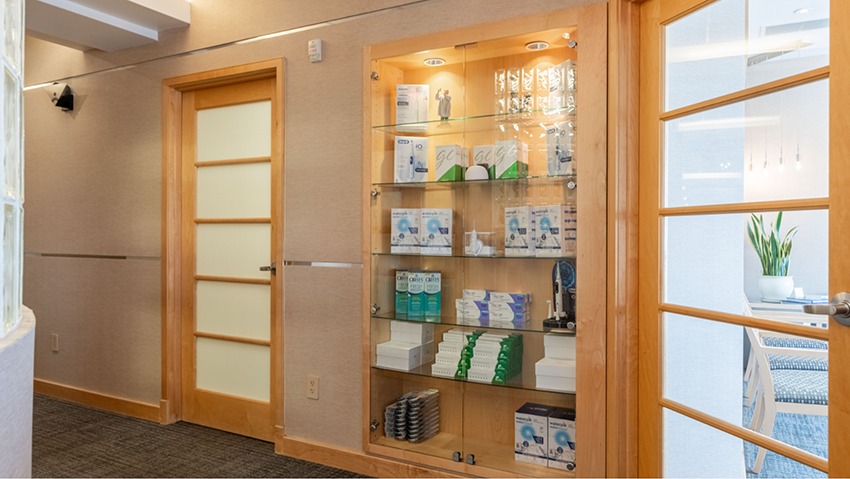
230,236
742,114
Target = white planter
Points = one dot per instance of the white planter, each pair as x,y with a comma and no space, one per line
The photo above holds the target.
776,288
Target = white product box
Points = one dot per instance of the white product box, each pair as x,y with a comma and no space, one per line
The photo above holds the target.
511,297
399,355
477,294
415,338
503,306
559,346
405,231
411,159
479,361
454,336
559,149
551,231
411,106
426,353
520,231
483,155
531,433
425,329
555,383
471,305
443,370
450,347
480,375
511,159
502,315
447,358
562,439
451,162
570,223
470,314
436,232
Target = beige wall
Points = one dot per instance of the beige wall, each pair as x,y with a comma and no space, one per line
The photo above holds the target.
93,188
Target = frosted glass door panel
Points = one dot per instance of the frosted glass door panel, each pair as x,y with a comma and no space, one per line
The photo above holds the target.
233,309
237,369
235,191
233,250
232,132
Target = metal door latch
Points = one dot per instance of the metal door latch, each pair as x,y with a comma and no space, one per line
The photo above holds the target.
456,456
272,268
838,308
470,459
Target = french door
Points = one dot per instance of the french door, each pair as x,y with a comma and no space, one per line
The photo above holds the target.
742,119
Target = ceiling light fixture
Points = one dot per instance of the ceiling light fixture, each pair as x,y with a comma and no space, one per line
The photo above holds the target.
536,46
434,62
801,11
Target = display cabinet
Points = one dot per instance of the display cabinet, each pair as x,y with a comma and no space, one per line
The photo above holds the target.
462,366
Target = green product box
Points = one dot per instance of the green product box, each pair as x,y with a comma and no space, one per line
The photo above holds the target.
401,283
432,293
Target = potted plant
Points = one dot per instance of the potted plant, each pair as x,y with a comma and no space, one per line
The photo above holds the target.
775,284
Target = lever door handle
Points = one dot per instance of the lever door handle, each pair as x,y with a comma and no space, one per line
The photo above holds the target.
272,268
838,308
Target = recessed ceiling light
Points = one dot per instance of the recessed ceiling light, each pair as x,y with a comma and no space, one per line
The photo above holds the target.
434,62
803,10
535,46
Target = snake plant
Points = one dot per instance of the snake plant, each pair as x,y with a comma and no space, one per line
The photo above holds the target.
775,256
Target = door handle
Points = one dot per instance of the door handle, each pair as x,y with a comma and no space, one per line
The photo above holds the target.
838,308
272,268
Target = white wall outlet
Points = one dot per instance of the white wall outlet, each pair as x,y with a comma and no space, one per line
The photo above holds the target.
54,342
314,49
312,387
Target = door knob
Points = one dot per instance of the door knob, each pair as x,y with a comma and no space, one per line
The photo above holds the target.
272,268
838,308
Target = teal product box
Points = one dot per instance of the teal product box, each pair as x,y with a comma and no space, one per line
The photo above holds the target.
562,439
401,283
433,285
415,293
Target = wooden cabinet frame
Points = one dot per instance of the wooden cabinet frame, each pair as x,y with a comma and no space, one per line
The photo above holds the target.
607,344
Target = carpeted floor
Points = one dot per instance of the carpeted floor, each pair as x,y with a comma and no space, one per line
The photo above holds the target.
809,433
70,440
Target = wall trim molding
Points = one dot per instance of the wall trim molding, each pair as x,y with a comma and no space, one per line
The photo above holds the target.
106,402
354,461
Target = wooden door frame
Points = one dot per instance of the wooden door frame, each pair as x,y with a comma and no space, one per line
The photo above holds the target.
655,14
173,301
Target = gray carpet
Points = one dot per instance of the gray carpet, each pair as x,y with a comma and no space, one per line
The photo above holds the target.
70,440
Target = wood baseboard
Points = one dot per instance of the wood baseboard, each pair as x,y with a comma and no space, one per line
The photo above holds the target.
128,407
353,461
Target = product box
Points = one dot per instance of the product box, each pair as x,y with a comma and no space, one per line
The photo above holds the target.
511,159
559,346
433,296
451,163
398,355
551,231
454,336
436,233
556,374
444,370
559,149
401,292
531,433
415,293
520,231
484,155
502,306
562,439
411,106
426,353
477,294
507,315
410,332
481,375
472,314
570,223
449,347
411,159
405,231
471,305
523,298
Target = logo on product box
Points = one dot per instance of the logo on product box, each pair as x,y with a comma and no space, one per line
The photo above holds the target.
403,142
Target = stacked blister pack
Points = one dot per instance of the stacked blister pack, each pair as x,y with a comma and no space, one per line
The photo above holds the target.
413,417
479,356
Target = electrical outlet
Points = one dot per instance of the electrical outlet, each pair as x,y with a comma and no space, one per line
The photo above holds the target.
313,387
54,342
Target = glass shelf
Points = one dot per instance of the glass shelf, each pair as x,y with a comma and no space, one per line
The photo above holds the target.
525,380
502,121
478,183
498,256
534,325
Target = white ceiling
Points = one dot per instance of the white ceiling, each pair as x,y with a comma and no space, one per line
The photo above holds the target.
107,25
